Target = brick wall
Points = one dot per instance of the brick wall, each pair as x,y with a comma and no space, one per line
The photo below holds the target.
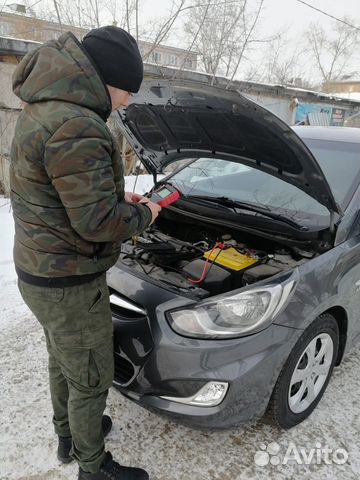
342,87
32,28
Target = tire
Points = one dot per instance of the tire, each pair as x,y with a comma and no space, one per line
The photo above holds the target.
301,384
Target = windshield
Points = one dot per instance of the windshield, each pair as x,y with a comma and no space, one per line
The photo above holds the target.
340,162
222,177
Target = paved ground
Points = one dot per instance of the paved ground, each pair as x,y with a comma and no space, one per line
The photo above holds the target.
167,450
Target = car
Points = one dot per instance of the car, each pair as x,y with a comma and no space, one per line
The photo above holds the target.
242,297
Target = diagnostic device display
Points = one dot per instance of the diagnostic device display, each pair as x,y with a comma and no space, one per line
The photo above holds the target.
165,195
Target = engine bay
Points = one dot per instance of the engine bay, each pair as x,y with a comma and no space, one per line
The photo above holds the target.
204,260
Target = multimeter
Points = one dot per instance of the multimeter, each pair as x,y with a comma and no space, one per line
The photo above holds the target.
165,195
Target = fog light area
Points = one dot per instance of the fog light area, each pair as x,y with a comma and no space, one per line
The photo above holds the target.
209,395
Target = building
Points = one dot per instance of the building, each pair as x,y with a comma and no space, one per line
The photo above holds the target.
168,56
293,105
349,83
18,21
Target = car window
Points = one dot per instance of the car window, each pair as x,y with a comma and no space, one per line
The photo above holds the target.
207,167
220,177
340,162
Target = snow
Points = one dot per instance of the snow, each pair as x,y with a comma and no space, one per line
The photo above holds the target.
167,450
346,95
12,307
17,39
142,183
7,234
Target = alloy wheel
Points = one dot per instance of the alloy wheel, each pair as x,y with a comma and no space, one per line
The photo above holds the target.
310,373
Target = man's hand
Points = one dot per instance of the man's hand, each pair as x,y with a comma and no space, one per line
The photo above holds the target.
154,207
131,197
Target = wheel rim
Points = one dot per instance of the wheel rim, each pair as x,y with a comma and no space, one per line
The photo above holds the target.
310,373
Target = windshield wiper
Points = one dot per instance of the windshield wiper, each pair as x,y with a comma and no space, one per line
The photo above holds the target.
263,209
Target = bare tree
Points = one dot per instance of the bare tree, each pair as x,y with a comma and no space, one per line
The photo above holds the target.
283,62
94,13
58,14
164,26
131,17
93,7
211,31
332,54
249,24
194,40
122,13
79,13
127,15
137,19
223,33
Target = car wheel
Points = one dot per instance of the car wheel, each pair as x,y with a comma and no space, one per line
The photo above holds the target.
306,373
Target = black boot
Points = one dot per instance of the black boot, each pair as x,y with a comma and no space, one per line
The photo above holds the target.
111,470
64,446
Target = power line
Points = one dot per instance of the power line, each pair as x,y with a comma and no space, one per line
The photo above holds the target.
30,6
3,6
329,15
33,5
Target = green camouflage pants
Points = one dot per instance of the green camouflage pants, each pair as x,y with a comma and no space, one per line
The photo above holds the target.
78,330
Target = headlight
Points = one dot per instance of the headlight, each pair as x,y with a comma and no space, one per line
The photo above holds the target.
241,314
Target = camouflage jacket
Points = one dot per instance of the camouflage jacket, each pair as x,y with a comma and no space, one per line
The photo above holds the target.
66,174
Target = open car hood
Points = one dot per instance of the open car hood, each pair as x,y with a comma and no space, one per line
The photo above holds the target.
168,120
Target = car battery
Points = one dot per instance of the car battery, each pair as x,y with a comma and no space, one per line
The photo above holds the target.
217,279
231,258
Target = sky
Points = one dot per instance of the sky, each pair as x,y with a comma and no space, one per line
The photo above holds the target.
278,15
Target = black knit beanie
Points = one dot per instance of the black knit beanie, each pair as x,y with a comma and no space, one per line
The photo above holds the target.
116,54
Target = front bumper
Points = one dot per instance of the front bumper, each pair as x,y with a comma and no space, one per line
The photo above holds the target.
152,361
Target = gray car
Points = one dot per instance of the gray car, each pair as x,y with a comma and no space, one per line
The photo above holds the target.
244,295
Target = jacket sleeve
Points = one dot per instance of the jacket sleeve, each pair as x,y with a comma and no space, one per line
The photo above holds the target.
78,162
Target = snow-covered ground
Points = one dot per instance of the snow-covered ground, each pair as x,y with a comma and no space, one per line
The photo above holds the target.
167,450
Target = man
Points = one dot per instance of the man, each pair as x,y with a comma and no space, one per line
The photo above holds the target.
71,214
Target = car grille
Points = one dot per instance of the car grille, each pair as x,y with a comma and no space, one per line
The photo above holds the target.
124,370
